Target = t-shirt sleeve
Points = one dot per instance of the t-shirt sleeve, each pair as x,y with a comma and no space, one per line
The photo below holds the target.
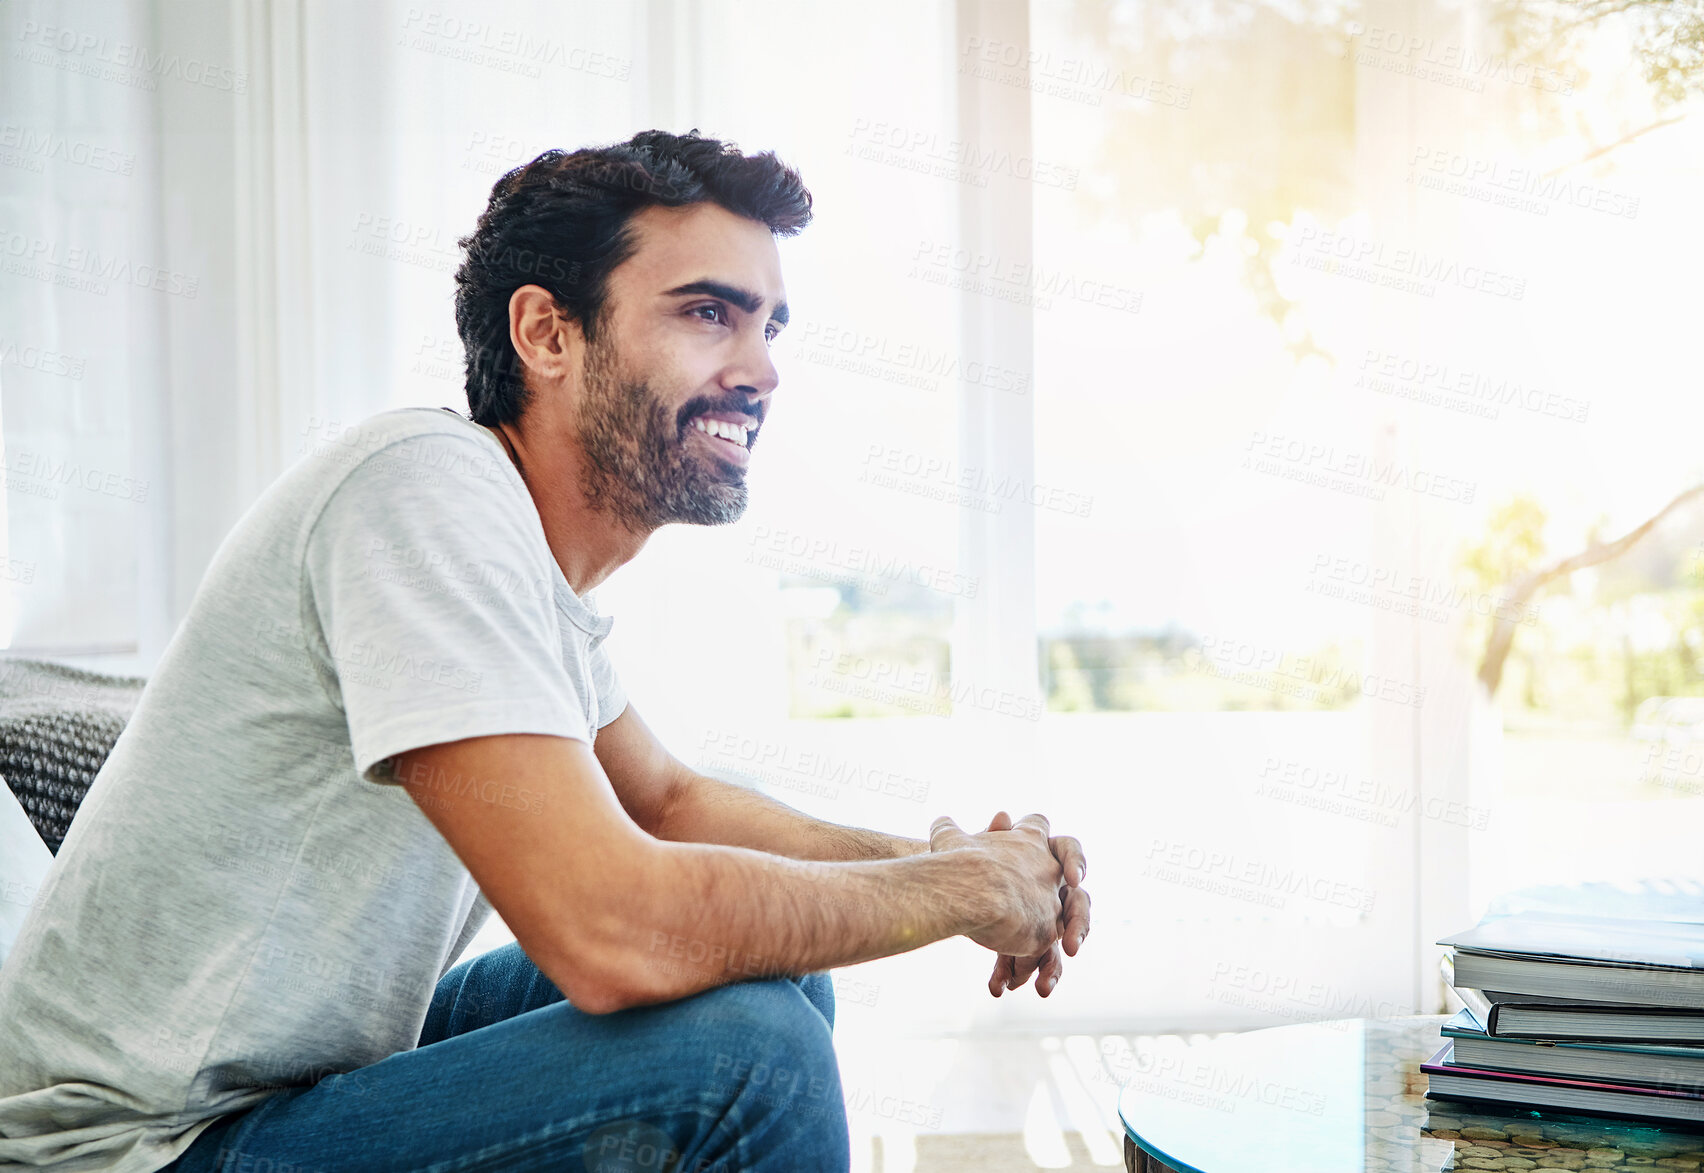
612,698
434,597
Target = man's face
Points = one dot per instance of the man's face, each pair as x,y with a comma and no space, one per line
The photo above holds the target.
679,378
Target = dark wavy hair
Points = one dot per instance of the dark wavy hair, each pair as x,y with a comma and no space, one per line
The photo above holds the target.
561,222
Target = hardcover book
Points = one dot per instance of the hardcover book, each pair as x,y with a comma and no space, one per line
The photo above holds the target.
1584,958
1448,1080
1650,1065
1527,1016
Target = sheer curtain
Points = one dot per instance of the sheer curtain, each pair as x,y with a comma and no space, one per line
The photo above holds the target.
290,181
86,292
230,225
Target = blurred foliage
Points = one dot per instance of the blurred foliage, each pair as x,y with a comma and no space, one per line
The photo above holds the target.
1171,671
1271,126
1270,134
883,651
1512,545
1270,131
1601,640
1666,37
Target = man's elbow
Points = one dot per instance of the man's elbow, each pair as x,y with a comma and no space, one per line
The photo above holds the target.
601,998
601,974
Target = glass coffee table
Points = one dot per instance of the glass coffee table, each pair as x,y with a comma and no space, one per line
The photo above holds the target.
1348,1097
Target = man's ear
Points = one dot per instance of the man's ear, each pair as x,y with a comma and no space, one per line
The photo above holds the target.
546,339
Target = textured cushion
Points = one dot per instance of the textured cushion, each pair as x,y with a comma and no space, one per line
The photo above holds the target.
57,726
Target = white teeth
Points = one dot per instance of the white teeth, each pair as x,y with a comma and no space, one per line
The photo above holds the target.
727,431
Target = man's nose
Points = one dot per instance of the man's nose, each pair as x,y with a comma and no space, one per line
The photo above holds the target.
756,375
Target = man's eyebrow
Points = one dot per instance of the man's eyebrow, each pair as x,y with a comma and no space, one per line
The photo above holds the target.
744,298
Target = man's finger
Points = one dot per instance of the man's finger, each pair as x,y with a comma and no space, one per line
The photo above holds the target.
1000,822
1069,853
1002,973
1022,967
945,834
1052,969
1037,821
1076,919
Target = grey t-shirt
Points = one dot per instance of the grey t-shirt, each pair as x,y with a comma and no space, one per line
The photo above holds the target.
246,900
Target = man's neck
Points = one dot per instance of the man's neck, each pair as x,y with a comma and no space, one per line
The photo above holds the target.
587,543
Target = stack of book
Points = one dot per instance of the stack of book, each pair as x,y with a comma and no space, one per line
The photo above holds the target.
1601,1015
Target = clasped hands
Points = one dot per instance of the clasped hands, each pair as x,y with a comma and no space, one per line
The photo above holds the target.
1046,906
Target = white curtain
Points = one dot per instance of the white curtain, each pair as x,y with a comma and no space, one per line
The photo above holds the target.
229,224
293,177
86,292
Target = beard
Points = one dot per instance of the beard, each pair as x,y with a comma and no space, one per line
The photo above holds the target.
638,468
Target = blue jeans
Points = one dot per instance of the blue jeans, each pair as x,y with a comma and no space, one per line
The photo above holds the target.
509,1076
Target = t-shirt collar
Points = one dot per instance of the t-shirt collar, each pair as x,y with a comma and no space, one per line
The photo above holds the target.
582,613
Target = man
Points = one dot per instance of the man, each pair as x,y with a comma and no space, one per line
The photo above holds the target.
388,710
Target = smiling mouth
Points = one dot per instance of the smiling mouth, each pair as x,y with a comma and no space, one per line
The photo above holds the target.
723,430
731,440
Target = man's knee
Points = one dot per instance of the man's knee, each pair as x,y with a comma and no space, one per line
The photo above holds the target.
484,989
819,992
773,1049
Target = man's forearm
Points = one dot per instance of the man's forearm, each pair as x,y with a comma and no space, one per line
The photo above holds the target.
710,915
708,810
